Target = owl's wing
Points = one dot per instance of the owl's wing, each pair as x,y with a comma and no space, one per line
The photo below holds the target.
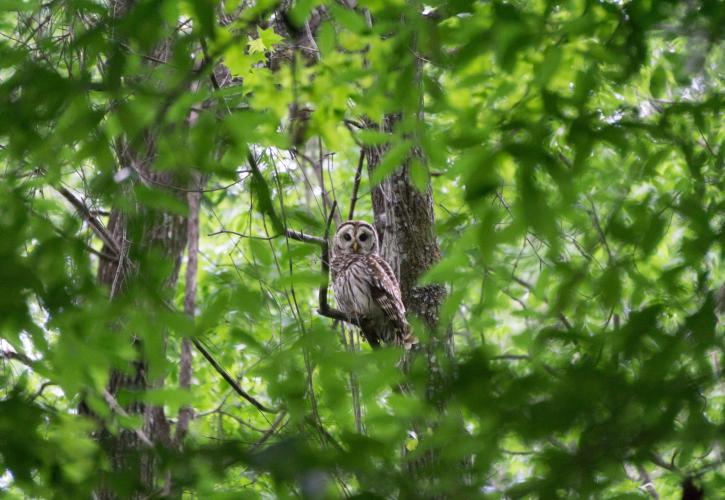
385,292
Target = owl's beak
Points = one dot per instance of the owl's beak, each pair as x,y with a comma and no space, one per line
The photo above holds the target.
355,246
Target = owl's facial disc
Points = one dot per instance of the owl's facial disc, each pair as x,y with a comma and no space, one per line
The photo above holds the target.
356,237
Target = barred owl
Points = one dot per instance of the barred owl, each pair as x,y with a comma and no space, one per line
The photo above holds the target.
365,286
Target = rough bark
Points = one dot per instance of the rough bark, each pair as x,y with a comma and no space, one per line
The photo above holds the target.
139,233
405,221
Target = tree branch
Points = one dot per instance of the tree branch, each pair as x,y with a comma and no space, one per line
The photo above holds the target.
117,409
269,432
356,185
324,308
95,224
229,379
306,238
325,262
40,390
17,356
292,234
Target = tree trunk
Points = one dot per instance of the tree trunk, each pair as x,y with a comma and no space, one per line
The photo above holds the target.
138,234
405,221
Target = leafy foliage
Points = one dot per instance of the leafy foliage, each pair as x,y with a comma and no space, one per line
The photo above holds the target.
575,154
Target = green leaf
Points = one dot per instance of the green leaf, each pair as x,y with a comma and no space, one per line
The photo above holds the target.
658,82
268,37
392,160
419,175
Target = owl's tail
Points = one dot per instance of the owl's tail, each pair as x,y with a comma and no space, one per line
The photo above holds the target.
377,332
406,337
370,331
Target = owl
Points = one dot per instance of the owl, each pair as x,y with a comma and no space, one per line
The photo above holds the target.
365,286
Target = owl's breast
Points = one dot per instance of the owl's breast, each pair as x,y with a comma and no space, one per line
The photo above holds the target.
352,291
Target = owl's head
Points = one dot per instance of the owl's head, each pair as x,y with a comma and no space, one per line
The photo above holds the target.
356,236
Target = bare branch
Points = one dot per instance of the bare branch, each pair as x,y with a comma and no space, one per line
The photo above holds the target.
600,231
229,379
17,356
95,224
660,462
511,357
292,234
646,481
325,263
248,236
529,286
299,236
356,185
270,431
40,390
311,38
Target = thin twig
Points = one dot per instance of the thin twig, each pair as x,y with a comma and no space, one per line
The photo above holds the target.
707,143
40,390
325,262
229,379
356,184
291,233
530,287
600,231
270,431
511,357
17,356
248,236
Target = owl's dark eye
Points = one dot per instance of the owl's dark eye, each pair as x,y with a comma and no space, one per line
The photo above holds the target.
363,237
346,237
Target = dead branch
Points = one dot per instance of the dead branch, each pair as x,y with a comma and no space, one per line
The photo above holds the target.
325,262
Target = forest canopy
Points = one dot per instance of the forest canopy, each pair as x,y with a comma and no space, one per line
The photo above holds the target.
546,181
